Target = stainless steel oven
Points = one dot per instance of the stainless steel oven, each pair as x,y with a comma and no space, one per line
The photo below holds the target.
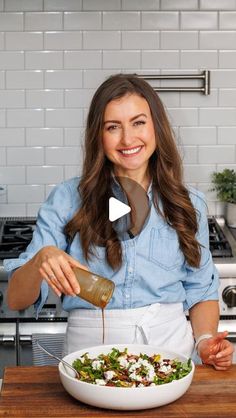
19,329
223,249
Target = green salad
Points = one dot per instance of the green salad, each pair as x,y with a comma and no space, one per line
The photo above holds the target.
123,369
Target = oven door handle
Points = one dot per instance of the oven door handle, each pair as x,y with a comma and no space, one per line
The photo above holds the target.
7,340
25,340
231,337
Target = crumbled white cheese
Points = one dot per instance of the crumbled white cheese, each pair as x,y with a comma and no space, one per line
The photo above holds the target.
100,382
97,364
123,361
109,374
165,369
136,377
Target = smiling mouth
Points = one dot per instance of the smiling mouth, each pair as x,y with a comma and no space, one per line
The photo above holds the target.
131,151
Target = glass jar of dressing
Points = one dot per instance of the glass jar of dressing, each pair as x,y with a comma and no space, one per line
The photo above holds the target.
93,288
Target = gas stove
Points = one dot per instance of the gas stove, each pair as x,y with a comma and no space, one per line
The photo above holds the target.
15,235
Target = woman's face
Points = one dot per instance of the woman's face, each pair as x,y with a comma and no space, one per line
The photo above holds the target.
128,133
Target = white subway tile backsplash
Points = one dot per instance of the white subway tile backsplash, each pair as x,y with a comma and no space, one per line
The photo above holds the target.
218,116
219,39
121,59
24,79
189,154
227,135
179,4
12,98
198,135
2,79
227,97
11,21
191,100
32,209
62,155
44,98
63,40
101,39
121,20
25,117
44,174
140,40
63,117
1,40
140,4
24,40
228,20
43,60
74,137
216,154
43,21
218,4
63,79
11,209
92,78
101,5
11,60
82,20
44,137
25,193
160,20
179,40
184,116
72,171
12,175
2,117
199,59
223,78
54,53
199,20
3,156
82,59
78,97
227,59
55,5
12,137
25,155
23,5
160,59
192,173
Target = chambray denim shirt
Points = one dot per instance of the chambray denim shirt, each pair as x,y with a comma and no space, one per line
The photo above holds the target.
154,268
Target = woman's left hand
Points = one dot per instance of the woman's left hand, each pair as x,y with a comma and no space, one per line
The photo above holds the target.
216,351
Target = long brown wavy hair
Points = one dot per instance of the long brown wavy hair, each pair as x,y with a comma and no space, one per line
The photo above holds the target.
165,167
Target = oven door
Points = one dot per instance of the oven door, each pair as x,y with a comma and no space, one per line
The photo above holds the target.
230,326
50,334
7,345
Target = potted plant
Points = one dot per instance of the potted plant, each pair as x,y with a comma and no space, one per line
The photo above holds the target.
225,186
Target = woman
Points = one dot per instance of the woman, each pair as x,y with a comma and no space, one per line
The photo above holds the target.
161,268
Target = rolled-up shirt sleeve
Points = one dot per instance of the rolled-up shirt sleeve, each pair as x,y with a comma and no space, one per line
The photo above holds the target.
201,283
53,215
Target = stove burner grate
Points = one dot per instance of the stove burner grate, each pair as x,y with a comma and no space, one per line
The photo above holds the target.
219,245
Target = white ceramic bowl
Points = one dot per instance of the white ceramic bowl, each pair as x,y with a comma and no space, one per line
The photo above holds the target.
124,398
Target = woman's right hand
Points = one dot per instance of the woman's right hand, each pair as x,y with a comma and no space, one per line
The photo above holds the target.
56,267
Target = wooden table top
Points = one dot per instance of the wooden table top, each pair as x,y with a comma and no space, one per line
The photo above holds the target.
38,392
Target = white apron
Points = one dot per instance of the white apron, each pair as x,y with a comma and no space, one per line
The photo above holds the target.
163,325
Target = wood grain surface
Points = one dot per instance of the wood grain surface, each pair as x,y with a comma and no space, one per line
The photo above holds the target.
37,392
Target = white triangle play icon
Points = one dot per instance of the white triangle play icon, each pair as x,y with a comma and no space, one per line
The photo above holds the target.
117,209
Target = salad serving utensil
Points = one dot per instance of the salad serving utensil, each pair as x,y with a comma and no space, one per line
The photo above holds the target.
53,355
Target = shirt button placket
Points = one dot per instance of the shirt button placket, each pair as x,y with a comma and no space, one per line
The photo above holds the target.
131,251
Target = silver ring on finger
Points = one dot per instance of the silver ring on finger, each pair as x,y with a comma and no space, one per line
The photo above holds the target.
52,277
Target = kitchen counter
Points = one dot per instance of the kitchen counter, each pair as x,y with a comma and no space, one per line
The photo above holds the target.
37,392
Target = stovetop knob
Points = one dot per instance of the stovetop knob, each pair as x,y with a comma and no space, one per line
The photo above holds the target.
229,296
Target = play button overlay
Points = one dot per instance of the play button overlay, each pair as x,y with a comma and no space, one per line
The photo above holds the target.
117,209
